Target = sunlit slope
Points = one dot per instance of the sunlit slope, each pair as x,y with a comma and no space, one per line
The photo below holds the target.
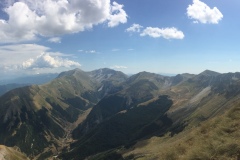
38,117
110,113
8,153
216,138
140,89
110,81
203,96
195,98
135,112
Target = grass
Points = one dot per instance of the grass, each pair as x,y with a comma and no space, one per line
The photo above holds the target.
11,154
215,139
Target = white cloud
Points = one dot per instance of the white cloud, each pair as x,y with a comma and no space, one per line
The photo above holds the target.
15,54
167,33
30,18
27,58
155,32
134,28
118,15
44,60
89,51
20,25
118,67
54,40
201,12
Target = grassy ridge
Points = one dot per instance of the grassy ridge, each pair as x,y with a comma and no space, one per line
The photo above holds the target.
216,139
8,153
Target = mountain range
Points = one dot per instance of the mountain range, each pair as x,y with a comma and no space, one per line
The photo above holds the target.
104,114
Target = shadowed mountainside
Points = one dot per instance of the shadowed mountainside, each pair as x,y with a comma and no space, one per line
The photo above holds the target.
39,117
195,98
109,113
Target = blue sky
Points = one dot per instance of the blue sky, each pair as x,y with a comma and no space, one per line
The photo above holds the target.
161,36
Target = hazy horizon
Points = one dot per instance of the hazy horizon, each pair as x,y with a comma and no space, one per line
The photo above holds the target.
170,37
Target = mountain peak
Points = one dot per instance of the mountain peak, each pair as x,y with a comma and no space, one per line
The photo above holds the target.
106,74
144,75
70,73
105,70
209,73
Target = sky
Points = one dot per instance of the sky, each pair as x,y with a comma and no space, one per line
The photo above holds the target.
160,36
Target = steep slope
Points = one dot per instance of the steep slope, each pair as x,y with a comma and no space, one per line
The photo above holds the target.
195,98
123,112
207,105
217,138
110,80
203,96
38,117
140,93
137,89
124,128
106,74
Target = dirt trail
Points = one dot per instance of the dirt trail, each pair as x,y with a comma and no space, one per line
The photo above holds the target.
67,139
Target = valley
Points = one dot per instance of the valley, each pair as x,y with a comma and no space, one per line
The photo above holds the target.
104,114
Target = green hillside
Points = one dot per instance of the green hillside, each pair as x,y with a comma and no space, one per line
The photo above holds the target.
40,117
195,99
216,138
104,114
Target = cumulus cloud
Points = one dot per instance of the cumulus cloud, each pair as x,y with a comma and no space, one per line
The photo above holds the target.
19,59
118,15
200,12
118,67
44,60
30,18
134,28
155,32
17,53
54,40
167,33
